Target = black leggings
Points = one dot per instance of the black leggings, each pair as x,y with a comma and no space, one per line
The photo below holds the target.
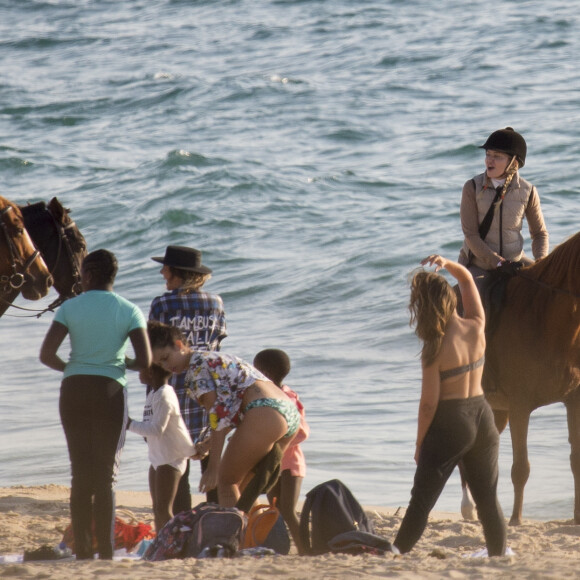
462,429
93,413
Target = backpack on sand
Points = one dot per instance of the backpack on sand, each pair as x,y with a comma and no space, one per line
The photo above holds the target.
200,531
330,509
266,528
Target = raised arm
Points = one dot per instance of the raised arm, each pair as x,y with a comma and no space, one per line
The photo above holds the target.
472,306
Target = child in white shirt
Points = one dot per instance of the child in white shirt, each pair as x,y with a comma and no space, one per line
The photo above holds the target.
168,440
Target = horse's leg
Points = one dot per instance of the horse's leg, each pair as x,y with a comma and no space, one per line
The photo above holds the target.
468,510
501,419
573,411
519,422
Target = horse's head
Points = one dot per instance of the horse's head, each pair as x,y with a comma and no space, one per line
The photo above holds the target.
22,268
62,245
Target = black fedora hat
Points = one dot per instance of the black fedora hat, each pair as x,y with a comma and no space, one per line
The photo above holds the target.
183,258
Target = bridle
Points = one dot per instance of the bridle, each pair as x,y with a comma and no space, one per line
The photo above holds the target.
14,281
64,242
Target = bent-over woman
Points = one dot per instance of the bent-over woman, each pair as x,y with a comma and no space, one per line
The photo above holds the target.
455,421
236,396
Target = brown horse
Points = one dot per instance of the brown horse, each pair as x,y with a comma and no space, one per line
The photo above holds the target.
534,356
22,268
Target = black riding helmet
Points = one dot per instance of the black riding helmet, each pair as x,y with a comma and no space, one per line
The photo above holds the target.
507,141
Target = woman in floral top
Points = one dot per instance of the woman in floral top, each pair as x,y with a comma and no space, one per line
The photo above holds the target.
236,396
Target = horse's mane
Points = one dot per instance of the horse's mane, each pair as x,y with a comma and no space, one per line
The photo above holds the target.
34,212
560,268
557,273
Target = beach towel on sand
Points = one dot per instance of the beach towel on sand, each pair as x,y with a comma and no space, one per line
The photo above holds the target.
127,534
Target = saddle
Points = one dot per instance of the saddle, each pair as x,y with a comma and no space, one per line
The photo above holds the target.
492,292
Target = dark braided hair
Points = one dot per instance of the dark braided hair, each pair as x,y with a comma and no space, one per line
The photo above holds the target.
102,265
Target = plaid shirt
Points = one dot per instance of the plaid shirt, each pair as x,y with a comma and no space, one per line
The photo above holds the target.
202,319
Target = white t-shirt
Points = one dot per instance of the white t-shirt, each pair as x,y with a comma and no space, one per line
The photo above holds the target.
167,436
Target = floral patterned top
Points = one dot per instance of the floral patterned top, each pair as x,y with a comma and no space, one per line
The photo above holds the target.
229,377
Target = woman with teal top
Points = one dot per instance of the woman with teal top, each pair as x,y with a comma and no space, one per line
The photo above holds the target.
93,408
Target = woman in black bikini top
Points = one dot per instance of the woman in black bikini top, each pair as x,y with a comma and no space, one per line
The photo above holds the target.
456,423
455,372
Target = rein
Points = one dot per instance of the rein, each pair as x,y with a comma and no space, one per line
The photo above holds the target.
39,313
548,286
76,287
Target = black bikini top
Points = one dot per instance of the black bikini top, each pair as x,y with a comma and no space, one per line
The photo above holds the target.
461,370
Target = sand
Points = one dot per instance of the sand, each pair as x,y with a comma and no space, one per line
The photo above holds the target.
33,516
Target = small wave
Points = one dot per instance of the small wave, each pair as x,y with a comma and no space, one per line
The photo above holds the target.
348,135
15,163
47,42
179,157
163,76
285,80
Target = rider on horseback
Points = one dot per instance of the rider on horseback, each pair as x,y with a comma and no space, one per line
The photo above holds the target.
493,206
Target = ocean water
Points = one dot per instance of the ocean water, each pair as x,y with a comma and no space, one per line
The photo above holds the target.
314,151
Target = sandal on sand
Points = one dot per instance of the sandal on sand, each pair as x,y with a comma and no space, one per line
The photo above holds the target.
47,553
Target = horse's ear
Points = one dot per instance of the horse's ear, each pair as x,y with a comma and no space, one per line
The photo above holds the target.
57,210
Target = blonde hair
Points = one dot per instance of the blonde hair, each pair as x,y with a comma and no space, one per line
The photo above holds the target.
192,281
433,302
510,171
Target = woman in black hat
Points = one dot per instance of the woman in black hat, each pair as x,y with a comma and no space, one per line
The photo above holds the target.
494,204
201,318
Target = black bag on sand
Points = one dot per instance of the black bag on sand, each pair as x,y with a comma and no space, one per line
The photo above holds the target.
329,510
218,531
207,530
